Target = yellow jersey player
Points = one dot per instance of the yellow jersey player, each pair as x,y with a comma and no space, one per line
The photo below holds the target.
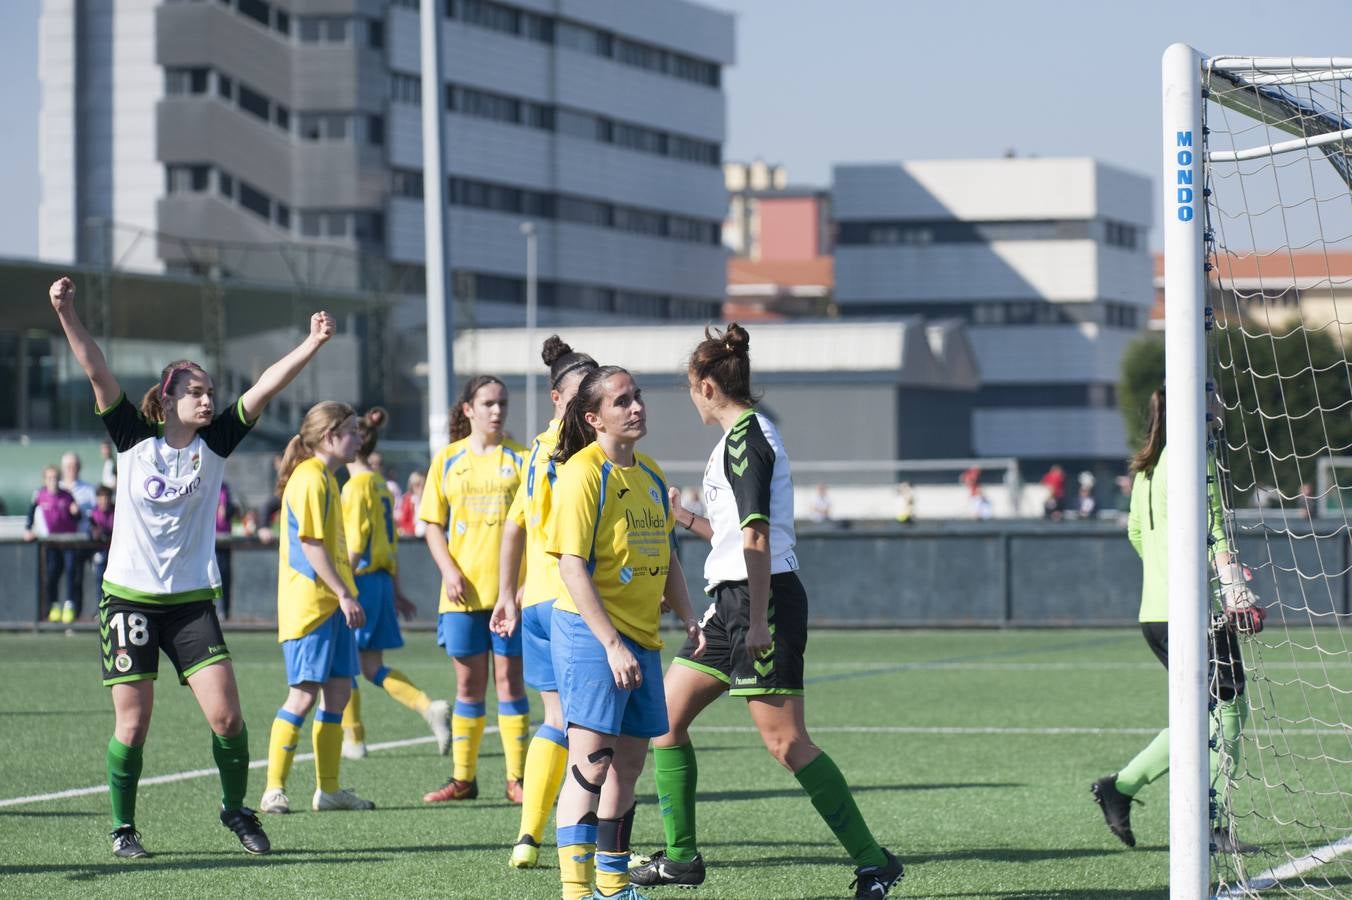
317,607
611,531
373,549
527,525
469,488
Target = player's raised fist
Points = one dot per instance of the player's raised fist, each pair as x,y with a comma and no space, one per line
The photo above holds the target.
62,294
321,327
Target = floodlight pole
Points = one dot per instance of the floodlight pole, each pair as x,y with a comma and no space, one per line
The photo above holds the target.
440,310
528,229
1185,423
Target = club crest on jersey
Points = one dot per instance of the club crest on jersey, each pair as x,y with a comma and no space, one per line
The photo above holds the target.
626,575
196,461
122,663
461,527
652,492
507,471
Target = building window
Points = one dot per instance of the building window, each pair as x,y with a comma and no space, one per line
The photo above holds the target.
282,21
181,179
257,10
375,130
375,34
281,116
406,89
254,200
254,103
283,216
186,81
225,86
225,184
311,225
406,183
335,30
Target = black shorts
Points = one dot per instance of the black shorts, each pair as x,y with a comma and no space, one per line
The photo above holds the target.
1225,676
725,623
132,634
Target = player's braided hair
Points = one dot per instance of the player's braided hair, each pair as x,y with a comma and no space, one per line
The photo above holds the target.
460,425
153,404
323,419
368,429
724,357
574,432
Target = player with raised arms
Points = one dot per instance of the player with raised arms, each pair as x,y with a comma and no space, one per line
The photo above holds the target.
612,534
159,588
528,522
317,607
373,550
1148,531
470,486
756,627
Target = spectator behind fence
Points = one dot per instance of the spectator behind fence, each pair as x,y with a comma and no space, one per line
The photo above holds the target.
101,529
1055,482
83,492
821,505
226,510
55,512
108,477
407,520
271,508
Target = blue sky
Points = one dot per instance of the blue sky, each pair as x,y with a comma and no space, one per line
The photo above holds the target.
823,81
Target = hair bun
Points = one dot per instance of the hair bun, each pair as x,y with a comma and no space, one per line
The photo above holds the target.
554,347
736,339
376,417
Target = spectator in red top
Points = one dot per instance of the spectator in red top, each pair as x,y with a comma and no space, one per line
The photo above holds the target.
1055,482
55,512
406,519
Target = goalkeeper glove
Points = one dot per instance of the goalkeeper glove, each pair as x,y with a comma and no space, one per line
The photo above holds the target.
1241,603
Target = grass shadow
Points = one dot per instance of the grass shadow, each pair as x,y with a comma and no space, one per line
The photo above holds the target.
193,862
769,794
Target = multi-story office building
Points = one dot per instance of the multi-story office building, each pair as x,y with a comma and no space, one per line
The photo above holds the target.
281,140
1046,259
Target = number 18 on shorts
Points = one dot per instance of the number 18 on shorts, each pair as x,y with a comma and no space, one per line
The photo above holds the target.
131,636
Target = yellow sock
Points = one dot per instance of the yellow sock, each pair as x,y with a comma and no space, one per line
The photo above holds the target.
352,723
612,873
397,685
328,744
514,729
546,764
282,747
577,860
467,730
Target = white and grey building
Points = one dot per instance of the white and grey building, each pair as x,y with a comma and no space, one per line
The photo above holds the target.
294,126
1047,261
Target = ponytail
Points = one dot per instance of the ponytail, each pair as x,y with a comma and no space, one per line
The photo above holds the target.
368,429
460,424
574,432
323,419
1148,456
724,358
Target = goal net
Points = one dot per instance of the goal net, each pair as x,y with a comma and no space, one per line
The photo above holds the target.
1275,212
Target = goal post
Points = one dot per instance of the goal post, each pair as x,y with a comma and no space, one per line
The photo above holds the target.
1185,425
1257,238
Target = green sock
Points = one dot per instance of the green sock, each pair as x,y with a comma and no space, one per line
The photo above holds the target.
124,771
676,774
835,804
232,761
1232,714
1146,766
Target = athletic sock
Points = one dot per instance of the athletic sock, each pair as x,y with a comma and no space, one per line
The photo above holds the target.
612,853
397,685
124,772
353,728
677,775
577,857
835,804
467,729
232,761
546,764
513,727
1231,714
282,747
1146,766
328,744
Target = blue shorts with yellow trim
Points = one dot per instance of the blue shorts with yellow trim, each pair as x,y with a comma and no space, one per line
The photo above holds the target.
330,651
375,592
587,688
538,659
467,634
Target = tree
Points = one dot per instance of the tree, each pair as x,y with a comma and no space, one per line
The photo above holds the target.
1142,373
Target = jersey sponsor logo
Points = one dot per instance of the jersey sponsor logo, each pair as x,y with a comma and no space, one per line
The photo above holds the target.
658,570
626,575
744,681
710,493
122,663
157,488
645,519
623,491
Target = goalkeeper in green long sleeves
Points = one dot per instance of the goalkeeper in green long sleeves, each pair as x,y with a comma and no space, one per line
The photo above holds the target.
1147,528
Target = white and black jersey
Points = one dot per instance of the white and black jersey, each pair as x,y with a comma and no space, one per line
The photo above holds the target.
164,536
748,479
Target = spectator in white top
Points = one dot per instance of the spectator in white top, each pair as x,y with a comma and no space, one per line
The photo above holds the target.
108,478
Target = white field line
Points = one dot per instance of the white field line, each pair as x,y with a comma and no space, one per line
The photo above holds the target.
932,730
1288,870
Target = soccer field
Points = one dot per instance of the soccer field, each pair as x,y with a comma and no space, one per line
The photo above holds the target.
970,753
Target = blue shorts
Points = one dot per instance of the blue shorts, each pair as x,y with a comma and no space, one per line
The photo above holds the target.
330,651
467,634
375,592
538,666
587,688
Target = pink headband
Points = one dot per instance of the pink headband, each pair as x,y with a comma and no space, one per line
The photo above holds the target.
169,377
